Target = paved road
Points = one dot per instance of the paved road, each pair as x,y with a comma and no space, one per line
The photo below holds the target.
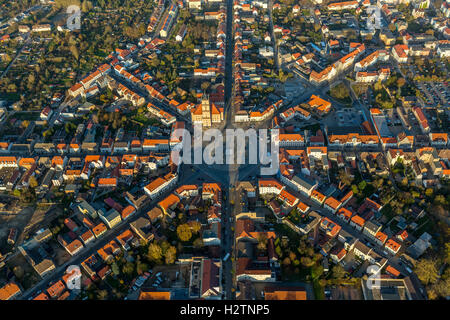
227,234
272,35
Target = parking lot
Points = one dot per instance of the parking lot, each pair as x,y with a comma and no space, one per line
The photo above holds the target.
434,93
176,276
349,117
293,89
393,121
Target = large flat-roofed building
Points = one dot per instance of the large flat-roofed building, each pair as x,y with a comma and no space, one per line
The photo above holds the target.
300,183
389,289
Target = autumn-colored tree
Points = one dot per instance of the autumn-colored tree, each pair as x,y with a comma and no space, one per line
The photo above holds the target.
154,252
338,271
18,272
33,182
262,242
195,226
306,262
141,267
171,255
128,268
102,295
292,256
345,178
184,232
427,271
198,243
401,82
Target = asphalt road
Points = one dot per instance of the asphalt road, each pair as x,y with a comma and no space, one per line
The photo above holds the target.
227,234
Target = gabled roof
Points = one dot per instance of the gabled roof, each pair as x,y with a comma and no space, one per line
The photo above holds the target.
393,245
154,295
8,291
287,293
170,201
391,270
358,220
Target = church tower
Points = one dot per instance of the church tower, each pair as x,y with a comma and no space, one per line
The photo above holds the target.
206,111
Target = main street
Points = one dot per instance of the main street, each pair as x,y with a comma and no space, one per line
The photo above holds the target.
228,234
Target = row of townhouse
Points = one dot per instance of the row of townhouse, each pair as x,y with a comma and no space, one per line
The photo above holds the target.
160,185
259,115
369,228
373,76
84,84
165,117
371,59
169,20
107,145
330,72
156,16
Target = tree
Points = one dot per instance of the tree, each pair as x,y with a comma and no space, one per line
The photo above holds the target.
378,183
18,272
344,177
439,289
25,124
33,182
102,294
86,6
141,267
198,243
316,271
171,255
262,242
401,82
184,232
362,185
340,92
31,81
306,262
195,226
75,52
440,199
338,271
429,192
205,85
426,271
115,268
154,252
447,253
404,182
128,269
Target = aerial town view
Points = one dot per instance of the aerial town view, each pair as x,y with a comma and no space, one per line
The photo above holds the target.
224,150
